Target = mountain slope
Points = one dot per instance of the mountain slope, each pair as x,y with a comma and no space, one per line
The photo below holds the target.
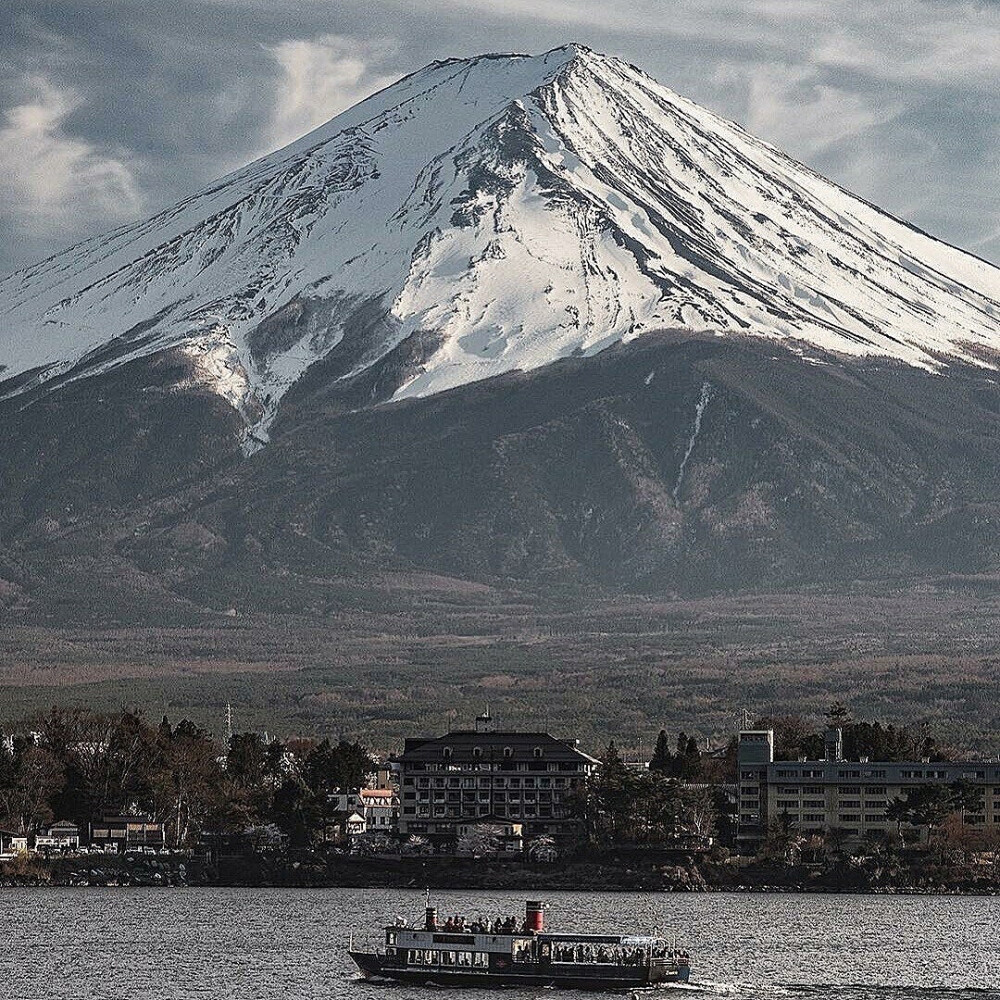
532,323
672,465
483,216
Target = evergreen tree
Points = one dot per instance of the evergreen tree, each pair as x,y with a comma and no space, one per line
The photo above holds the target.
690,763
663,759
838,715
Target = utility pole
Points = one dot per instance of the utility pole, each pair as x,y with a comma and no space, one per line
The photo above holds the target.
229,723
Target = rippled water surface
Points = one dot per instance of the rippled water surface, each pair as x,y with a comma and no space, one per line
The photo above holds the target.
169,944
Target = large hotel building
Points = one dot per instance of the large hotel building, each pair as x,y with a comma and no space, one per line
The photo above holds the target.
482,776
815,796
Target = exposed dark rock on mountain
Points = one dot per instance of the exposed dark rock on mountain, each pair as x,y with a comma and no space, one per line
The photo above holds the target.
532,322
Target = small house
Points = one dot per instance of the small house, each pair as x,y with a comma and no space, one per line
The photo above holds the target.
12,844
59,837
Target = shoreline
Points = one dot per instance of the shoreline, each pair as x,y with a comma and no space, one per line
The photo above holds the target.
351,872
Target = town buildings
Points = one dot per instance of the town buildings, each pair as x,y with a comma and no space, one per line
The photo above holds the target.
479,775
852,797
368,810
116,833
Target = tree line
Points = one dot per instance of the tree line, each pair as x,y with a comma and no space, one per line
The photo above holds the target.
74,764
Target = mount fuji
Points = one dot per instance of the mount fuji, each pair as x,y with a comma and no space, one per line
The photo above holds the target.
488,215
512,316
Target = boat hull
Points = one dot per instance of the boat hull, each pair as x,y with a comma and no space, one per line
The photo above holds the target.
376,967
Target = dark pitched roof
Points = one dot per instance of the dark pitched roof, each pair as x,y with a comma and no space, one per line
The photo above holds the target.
521,745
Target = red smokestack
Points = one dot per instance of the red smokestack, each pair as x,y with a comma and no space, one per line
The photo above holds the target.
431,918
534,919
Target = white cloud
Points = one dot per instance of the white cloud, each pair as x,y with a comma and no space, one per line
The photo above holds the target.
795,109
940,48
322,77
53,182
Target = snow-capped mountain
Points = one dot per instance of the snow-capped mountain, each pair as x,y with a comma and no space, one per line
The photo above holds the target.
486,215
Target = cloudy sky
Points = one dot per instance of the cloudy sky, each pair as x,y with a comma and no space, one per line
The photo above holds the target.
111,109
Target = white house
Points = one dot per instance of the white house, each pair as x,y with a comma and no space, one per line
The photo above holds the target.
61,836
378,808
12,844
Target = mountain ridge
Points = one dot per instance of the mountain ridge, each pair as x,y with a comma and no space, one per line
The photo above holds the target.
576,204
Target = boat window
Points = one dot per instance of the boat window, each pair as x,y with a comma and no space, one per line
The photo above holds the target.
521,951
508,752
447,958
480,959
464,959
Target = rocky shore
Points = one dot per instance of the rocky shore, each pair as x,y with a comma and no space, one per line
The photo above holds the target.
678,874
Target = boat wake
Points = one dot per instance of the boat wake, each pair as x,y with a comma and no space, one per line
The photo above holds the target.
694,987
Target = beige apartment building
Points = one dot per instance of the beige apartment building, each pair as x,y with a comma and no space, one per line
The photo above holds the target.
815,796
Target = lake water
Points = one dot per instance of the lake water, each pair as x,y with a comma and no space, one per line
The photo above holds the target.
175,944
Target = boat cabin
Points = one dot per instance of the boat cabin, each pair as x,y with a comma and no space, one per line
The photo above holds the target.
509,946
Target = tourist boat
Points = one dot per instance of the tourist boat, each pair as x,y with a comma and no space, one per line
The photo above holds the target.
512,953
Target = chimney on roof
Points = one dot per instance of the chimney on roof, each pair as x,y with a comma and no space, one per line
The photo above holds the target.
484,722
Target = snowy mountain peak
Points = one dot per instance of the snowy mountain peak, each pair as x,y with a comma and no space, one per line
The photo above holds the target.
486,215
